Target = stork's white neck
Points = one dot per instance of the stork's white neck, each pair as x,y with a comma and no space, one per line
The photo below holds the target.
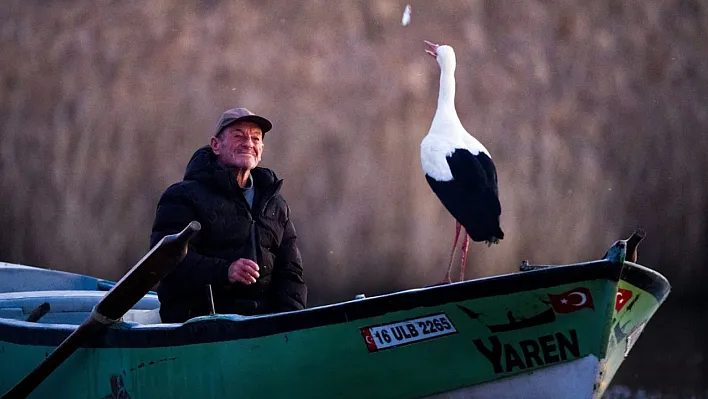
446,120
446,95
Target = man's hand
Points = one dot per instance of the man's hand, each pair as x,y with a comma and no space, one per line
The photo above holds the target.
244,271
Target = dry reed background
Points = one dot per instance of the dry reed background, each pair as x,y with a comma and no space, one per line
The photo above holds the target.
595,113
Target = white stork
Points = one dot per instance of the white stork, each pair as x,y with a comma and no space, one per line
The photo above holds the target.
459,168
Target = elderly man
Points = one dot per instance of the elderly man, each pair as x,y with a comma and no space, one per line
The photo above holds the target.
247,248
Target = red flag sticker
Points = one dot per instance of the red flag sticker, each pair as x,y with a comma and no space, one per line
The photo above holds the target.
570,301
369,339
623,296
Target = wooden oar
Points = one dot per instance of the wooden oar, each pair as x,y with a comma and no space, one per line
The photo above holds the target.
161,259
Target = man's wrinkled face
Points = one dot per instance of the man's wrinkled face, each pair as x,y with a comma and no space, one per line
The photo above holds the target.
239,146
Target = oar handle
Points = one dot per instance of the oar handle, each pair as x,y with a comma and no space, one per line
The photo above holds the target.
157,263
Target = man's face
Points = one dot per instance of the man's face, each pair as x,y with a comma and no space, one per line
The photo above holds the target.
239,146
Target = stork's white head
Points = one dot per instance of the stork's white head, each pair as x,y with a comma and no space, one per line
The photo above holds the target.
444,54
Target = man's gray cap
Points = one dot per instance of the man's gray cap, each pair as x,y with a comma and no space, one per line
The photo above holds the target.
241,115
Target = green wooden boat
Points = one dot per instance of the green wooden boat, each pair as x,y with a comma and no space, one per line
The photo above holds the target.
551,332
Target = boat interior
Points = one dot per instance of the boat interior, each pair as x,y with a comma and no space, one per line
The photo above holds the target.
69,307
47,296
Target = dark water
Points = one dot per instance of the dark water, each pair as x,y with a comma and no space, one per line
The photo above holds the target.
669,359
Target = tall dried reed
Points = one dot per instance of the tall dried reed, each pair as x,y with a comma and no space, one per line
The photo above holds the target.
595,113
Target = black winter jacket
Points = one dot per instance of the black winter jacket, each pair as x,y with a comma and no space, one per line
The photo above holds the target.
210,195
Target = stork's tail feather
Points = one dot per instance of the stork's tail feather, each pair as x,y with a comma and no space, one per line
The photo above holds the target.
493,240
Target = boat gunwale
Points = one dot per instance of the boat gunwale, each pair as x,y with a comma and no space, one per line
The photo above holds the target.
647,279
226,328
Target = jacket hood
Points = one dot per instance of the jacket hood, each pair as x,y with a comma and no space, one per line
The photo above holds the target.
204,168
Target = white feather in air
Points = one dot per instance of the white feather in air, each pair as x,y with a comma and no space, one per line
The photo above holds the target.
406,15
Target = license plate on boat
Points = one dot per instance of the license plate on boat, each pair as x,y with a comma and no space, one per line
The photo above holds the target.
387,336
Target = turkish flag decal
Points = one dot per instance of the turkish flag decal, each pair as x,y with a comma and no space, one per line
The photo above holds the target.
369,339
570,301
623,296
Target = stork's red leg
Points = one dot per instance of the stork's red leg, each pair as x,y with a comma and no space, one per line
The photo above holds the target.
465,246
458,226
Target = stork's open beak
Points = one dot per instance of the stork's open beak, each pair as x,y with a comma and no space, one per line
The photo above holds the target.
433,49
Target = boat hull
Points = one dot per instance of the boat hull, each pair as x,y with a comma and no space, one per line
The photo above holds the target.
513,333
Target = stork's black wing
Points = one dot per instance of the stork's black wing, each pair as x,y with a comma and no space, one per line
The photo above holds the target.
477,171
